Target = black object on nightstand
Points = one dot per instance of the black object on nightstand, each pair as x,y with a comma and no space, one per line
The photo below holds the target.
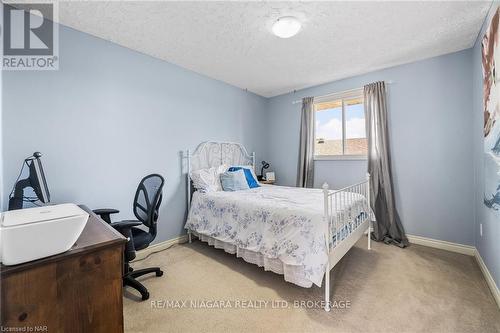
265,165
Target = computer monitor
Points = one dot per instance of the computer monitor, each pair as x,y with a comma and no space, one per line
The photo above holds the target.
36,180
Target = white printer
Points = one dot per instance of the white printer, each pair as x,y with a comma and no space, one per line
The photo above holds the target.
34,233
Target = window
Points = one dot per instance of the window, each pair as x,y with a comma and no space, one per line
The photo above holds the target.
340,126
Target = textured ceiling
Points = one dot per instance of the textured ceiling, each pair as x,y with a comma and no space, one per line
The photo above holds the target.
232,41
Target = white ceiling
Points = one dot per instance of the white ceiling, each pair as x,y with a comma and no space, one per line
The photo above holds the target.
232,41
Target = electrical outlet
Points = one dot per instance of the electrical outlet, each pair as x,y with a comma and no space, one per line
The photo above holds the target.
481,229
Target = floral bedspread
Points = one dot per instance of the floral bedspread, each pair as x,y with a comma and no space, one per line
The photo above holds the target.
284,223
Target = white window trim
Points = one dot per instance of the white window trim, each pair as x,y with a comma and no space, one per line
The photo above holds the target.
340,157
353,93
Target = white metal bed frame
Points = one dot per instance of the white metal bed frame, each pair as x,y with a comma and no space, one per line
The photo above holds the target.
347,232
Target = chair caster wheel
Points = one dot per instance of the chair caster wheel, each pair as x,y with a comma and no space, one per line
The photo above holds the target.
159,273
145,296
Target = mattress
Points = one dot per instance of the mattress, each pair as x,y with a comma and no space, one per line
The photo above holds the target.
276,227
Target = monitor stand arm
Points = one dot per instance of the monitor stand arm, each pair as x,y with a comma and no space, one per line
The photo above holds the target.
16,201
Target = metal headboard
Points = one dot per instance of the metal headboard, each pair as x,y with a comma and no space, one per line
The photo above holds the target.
210,154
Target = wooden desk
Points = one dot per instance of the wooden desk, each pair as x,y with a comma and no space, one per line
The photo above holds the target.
79,290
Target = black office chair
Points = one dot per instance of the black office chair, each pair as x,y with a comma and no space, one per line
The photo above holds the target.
146,205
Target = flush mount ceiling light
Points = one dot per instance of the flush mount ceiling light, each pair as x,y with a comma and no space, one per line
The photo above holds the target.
286,27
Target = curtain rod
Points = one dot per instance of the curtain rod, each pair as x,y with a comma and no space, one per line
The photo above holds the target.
336,93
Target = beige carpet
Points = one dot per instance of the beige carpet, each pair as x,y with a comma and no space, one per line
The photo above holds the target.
387,289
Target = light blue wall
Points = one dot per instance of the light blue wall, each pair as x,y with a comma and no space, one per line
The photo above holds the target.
110,116
339,174
430,128
488,245
1,129
1,140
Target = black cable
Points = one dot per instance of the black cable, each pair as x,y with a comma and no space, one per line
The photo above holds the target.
19,176
31,200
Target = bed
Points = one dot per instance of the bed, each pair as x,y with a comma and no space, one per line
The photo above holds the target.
297,232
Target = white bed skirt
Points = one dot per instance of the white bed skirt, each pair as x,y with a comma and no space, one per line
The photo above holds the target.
291,273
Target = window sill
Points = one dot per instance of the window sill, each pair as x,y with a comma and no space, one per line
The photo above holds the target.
341,158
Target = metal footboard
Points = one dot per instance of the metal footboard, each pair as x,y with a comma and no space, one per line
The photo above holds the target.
347,216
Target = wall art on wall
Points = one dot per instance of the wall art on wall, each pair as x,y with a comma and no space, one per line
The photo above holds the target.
491,104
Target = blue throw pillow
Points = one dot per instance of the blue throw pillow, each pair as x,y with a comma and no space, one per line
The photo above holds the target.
252,182
234,181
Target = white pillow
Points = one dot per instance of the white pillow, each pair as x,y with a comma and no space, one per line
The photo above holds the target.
208,180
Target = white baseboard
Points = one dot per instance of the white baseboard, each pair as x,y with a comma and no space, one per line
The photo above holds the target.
443,245
463,249
489,278
160,247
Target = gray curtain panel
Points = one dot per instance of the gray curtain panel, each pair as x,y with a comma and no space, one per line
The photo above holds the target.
305,175
388,227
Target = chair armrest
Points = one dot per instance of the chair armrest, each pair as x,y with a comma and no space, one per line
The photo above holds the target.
125,228
122,225
105,213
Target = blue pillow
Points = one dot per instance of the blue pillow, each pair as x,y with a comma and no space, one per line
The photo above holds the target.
252,182
234,181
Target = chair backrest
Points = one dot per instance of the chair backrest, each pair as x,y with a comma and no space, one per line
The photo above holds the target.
147,201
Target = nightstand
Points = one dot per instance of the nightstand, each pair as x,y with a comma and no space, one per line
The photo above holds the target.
268,182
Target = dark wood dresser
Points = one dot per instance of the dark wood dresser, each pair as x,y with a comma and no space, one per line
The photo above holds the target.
76,291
